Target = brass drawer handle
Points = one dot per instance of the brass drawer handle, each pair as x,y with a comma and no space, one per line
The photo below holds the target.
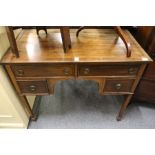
131,70
20,72
86,70
32,88
66,71
118,86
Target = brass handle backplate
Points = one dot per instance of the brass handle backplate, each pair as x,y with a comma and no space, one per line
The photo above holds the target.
118,86
32,88
20,72
86,70
66,71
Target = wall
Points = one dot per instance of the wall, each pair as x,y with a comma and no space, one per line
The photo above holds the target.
12,115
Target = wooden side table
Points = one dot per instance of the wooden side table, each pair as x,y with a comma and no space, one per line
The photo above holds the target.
94,56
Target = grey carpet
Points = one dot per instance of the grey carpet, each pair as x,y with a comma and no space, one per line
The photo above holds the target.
77,104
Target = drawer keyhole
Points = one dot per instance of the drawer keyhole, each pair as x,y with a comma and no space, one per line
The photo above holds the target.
32,88
86,70
20,72
118,86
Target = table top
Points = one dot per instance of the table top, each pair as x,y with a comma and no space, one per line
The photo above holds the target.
92,45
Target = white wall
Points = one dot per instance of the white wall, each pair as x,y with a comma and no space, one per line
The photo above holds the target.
11,112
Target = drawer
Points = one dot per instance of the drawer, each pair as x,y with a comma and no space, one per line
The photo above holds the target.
44,70
33,87
117,85
107,70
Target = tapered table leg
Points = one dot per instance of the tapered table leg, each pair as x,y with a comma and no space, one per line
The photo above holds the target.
65,38
32,115
124,106
12,40
79,30
38,28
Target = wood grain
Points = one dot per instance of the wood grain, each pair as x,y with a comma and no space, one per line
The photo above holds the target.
94,45
43,70
118,85
108,70
12,40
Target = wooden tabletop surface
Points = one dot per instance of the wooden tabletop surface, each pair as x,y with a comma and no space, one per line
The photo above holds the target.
92,45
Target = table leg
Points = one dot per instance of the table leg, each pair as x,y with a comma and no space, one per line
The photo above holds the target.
26,105
23,99
123,107
79,30
129,97
66,40
38,28
12,40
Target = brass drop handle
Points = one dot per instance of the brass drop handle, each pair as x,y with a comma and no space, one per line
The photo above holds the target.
86,70
66,71
20,72
118,86
131,70
32,87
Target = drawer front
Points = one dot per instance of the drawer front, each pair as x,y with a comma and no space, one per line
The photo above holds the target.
43,70
117,85
108,70
33,87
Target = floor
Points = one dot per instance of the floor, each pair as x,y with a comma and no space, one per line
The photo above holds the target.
77,105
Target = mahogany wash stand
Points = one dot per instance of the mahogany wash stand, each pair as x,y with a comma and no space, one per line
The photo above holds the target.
35,63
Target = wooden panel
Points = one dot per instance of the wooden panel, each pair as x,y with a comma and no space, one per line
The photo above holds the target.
145,91
108,70
43,70
146,88
150,72
33,87
52,82
117,85
151,47
143,35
